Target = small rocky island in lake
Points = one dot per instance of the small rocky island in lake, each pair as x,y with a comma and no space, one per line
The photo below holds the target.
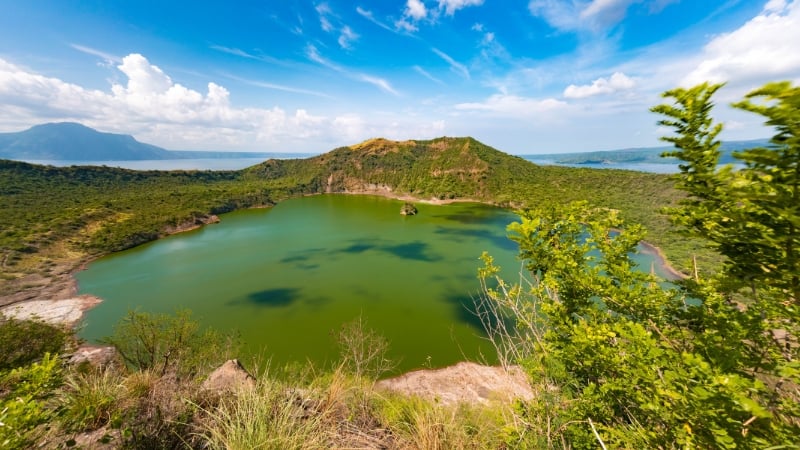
408,209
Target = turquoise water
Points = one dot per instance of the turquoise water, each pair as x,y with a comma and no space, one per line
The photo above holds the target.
288,277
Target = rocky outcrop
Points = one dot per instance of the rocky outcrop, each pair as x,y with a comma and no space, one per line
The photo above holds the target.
66,312
94,355
408,209
465,382
229,377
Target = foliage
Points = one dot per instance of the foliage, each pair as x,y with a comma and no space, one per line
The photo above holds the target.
24,394
748,215
173,344
25,341
632,364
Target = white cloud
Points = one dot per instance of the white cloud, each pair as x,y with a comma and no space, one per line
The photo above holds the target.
107,57
367,14
416,9
314,55
593,15
454,65
158,110
427,75
763,49
347,37
451,6
514,106
615,83
379,82
405,25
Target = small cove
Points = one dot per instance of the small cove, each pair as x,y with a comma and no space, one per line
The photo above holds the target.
288,277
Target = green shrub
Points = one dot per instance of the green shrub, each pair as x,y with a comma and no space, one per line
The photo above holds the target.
174,344
25,341
24,394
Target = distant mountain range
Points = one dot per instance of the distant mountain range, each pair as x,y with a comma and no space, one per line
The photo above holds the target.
69,141
647,155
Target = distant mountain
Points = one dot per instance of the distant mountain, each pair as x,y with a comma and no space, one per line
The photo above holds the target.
75,142
648,155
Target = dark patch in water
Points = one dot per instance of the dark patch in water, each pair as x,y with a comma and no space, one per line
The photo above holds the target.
465,308
275,297
417,251
358,248
488,234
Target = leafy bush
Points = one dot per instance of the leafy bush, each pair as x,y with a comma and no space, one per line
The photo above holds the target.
24,394
631,364
25,341
173,344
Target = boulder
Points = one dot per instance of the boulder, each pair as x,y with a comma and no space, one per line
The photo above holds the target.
408,209
229,377
465,382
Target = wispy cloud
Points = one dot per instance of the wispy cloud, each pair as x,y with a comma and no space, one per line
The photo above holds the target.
277,87
332,23
371,17
347,37
587,15
109,58
425,74
314,55
379,82
454,65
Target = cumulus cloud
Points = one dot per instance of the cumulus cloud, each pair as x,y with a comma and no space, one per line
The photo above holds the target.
615,83
514,106
416,9
156,109
763,49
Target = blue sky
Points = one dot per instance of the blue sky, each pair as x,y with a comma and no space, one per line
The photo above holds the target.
526,77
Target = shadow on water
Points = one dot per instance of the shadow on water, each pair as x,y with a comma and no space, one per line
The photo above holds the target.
466,306
275,297
487,234
359,247
417,251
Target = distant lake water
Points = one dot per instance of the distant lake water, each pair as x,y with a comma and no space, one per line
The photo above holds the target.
161,164
640,167
288,277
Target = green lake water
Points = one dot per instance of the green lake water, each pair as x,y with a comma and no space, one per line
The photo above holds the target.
288,277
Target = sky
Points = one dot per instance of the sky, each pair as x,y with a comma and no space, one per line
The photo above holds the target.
523,76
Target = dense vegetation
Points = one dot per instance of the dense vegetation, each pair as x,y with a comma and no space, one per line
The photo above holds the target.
627,363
